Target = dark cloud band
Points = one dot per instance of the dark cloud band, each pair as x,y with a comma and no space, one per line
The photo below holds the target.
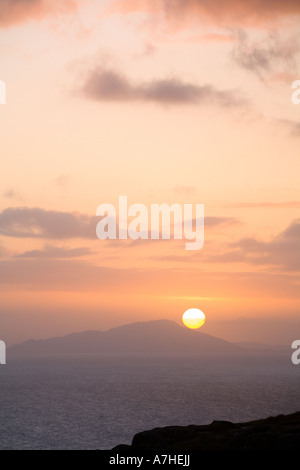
25,222
111,85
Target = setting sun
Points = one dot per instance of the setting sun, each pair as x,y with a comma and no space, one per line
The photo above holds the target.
193,318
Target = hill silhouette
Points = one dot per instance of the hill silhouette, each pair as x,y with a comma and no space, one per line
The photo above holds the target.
160,336
275,433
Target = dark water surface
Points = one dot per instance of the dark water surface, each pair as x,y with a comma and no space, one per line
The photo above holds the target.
97,402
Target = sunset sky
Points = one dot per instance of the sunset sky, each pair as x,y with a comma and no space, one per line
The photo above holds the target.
164,101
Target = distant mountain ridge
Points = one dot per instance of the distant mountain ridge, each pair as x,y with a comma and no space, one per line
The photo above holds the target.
159,336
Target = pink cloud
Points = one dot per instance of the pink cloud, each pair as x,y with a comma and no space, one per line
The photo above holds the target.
18,11
233,12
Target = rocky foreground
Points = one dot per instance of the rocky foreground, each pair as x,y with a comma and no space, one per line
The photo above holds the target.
275,433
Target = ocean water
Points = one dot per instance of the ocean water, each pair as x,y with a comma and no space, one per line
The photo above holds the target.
97,402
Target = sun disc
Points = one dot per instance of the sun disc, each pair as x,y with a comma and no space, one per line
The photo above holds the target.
193,318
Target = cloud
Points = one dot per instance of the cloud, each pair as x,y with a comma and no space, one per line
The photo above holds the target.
292,126
24,222
50,251
215,221
12,194
271,205
60,274
18,11
82,276
212,221
282,251
110,85
266,56
231,12
62,181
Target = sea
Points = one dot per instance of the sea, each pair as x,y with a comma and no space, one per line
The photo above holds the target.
99,401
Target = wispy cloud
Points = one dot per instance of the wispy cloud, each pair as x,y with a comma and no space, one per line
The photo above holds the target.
18,11
293,127
280,254
58,252
62,181
82,276
211,221
282,251
24,222
267,55
12,194
231,12
266,205
111,85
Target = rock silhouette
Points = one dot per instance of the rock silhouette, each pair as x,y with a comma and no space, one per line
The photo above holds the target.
281,432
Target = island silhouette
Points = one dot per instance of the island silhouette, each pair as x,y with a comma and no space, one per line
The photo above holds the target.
157,337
